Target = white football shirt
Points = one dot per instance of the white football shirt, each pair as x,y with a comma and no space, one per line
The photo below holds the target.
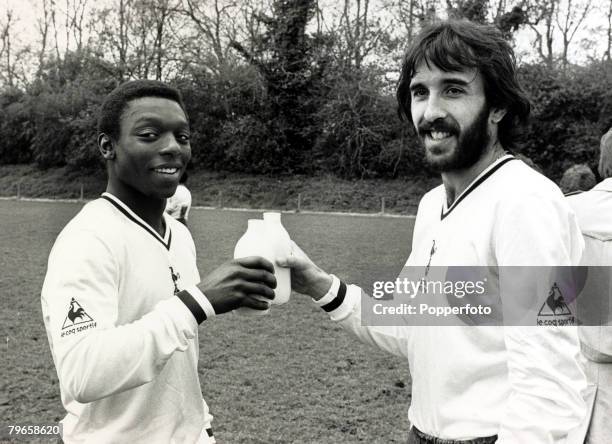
120,306
594,211
520,383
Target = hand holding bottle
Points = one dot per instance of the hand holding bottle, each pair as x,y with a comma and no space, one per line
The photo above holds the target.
245,282
268,239
306,277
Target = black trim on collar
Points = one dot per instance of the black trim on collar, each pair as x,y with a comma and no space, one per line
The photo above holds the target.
139,223
573,193
473,186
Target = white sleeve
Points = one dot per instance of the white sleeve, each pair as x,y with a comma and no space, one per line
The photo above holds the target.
105,358
344,307
545,376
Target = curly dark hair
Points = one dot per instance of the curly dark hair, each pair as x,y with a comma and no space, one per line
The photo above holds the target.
457,45
114,104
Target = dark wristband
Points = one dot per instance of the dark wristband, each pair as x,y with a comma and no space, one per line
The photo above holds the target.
338,300
192,305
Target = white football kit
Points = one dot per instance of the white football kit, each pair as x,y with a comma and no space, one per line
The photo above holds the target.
594,211
121,310
522,384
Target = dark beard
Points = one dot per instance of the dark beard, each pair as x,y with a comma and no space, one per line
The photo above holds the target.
471,144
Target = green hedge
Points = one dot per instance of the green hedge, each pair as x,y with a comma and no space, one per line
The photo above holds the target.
351,125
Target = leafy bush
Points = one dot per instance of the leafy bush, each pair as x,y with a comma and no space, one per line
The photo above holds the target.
342,122
356,122
16,127
81,150
214,104
570,113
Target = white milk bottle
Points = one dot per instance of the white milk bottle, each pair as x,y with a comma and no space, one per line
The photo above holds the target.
254,242
280,245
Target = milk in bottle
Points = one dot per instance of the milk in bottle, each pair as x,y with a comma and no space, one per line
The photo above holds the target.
254,243
280,245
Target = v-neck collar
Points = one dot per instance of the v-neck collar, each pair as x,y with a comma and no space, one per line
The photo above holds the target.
475,183
165,240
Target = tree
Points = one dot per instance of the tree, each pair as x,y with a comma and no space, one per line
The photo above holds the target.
412,14
473,10
569,21
75,24
283,55
115,27
354,30
360,35
545,17
140,37
540,19
406,12
161,11
43,23
510,22
6,54
212,21
609,23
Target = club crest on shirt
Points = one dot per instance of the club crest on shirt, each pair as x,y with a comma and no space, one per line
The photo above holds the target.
77,319
431,253
175,278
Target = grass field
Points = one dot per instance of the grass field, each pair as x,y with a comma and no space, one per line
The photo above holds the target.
290,377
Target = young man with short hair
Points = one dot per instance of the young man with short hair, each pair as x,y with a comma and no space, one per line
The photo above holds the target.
474,384
123,298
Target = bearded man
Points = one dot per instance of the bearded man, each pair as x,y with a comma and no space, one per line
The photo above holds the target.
474,384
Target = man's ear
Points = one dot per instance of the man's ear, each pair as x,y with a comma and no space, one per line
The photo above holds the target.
497,114
106,146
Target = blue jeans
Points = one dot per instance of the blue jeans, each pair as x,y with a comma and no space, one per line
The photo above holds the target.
417,437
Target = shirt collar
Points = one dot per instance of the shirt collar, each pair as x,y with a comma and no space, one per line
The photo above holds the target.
127,211
604,185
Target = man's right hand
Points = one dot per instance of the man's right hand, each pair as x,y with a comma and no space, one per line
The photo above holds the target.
237,283
306,277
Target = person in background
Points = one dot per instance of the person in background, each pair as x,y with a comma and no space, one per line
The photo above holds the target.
594,211
577,178
179,204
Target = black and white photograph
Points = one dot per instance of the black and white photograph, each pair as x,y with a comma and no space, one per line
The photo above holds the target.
306,221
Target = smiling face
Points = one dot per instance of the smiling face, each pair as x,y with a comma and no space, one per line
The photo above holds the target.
450,113
151,152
